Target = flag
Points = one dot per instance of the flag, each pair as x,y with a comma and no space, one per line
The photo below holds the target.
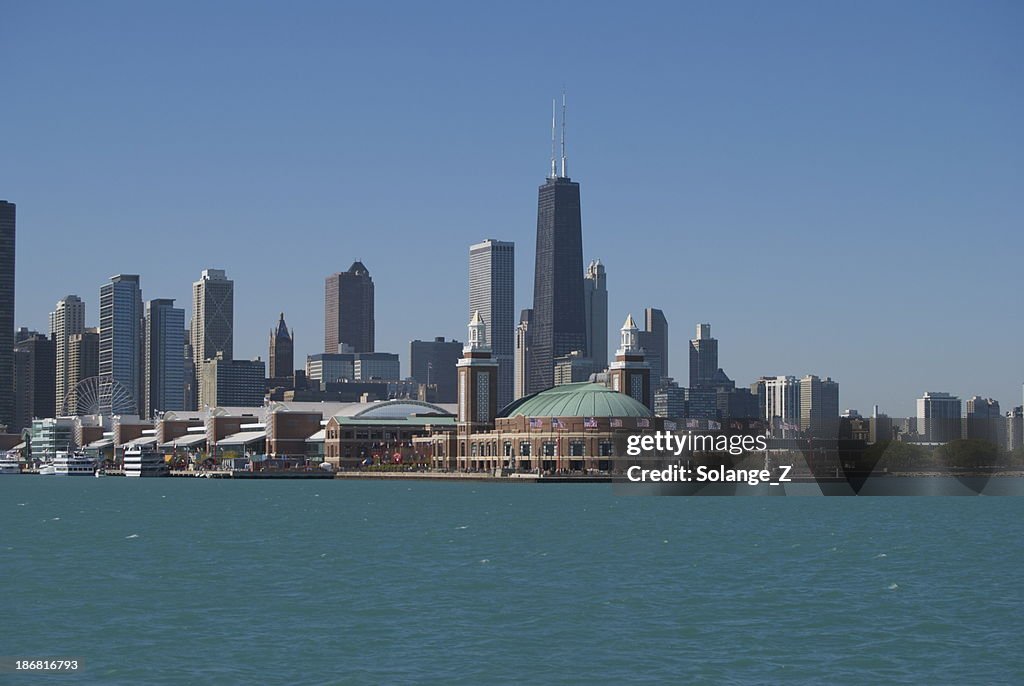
535,424
692,423
590,422
670,426
615,423
557,424
643,423
714,426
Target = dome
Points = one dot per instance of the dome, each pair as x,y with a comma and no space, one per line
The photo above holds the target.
577,400
399,409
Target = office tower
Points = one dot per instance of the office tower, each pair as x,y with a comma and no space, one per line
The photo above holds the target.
670,400
492,294
938,417
377,366
522,366
67,319
654,341
191,390
121,339
983,420
35,374
7,248
83,359
325,368
595,308
819,406
1014,429
165,360
782,401
348,310
630,373
559,322
282,352
233,383
433,363
574,368
703,357
213,322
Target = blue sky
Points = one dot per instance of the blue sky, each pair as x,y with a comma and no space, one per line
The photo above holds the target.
836,187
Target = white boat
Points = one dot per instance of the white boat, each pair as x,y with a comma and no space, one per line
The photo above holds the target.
73,464
47,470
9,465
140,461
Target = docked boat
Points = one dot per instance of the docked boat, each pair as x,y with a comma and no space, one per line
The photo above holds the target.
47,470
139,461
73,464
9,464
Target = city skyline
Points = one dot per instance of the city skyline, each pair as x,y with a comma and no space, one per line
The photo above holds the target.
694,182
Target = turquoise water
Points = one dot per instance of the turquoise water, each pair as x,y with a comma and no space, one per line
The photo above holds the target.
170,581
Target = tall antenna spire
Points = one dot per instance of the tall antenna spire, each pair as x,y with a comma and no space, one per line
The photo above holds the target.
565,173
554,170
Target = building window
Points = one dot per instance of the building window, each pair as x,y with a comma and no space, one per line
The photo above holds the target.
549,449
524,448
576,449
483,397
606,448
508,448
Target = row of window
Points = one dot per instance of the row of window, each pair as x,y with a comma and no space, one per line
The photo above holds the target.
577,448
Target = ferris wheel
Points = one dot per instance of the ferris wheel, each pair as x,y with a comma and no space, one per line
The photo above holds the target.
98,395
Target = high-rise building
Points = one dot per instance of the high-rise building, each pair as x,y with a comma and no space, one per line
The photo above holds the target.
282,352
83,353
703,357
559,321
819,406
574,368
377,366
434,363
191,391
782,402
492,294
595,308
233,383
938,417
213,322
121,339
984,420
325,368
165,359
522,361
654,341
348,310
35,374
7,261
67,319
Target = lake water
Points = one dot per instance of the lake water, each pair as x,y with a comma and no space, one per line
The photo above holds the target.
168,581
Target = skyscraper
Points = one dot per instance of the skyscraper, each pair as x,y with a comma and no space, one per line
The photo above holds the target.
121,336
654,341
559,322
703,358
819,406
67,319
165,358
595,306
213,322
282,352
522,366
938,417
433,362
37,384
7,247
492,294
348,310
83,362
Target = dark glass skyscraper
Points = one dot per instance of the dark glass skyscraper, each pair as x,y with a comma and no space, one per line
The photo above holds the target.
7,241
348,310
559,322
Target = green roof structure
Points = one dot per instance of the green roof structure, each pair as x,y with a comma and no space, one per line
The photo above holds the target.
577,400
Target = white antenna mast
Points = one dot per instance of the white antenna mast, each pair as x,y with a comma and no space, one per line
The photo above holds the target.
554,170
565,173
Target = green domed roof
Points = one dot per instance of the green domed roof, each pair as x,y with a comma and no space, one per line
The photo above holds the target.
576,400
